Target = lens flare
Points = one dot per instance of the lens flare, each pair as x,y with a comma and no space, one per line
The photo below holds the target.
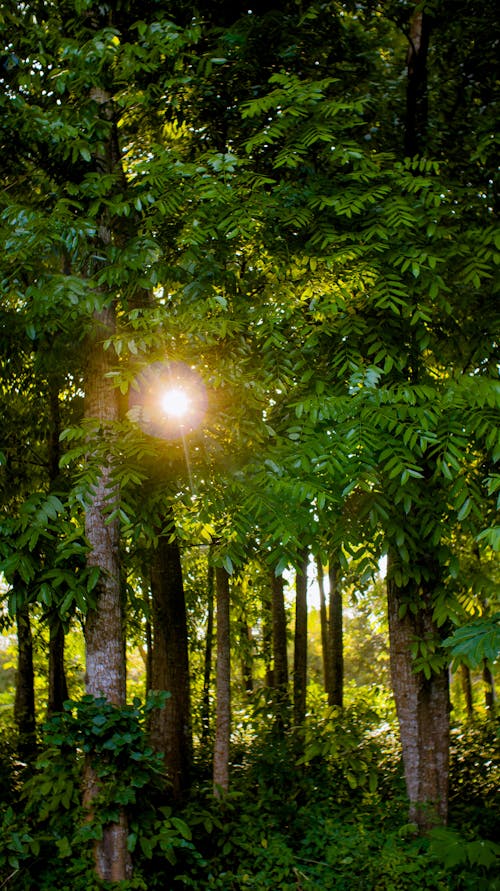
168,400
175,403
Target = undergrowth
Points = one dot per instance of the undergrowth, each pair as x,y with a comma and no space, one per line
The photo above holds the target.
325,810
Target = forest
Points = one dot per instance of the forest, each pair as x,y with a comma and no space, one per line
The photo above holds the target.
250,421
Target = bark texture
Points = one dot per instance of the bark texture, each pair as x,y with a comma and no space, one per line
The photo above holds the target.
104,638
422,707
223,684
170,727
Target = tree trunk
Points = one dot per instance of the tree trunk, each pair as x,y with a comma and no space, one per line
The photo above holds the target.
24,702
170,727
324,628
416,84
422,707
466,684
58,687
267,637
489,688
148,631
335,640
104,637
223,685
280,648
300,649
246,654
207,668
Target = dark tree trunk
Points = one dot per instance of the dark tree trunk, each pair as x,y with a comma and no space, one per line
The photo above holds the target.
422,707
280,651
58,687
267,637
149,655
416,84
489,689
223,686
300,649
207,668
324,628
104,632
246,641
24,702
280,643
335,640
170,727
466,685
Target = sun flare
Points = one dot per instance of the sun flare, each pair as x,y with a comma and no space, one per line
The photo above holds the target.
175,402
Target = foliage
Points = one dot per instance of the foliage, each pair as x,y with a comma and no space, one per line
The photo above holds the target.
50,838
475,642
283,825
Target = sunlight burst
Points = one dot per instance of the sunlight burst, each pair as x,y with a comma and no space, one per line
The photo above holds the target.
175,402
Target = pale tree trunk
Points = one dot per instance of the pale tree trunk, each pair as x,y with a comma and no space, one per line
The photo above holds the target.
300,648
335,639
170,727
422,707
104,633
323,615
24,702
223,685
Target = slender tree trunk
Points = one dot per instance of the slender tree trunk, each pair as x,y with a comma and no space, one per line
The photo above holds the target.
300,649
416,84
466,684
207,668
280,653
267,637
104,633
223,685
170,727
24,702
489,688
246,657
58,687
148,630
422,707
335,639
280,647
324,628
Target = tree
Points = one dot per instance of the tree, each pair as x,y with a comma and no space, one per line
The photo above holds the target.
223,684
170,727
300,642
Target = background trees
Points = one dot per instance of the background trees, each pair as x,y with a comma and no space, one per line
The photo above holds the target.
273,199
